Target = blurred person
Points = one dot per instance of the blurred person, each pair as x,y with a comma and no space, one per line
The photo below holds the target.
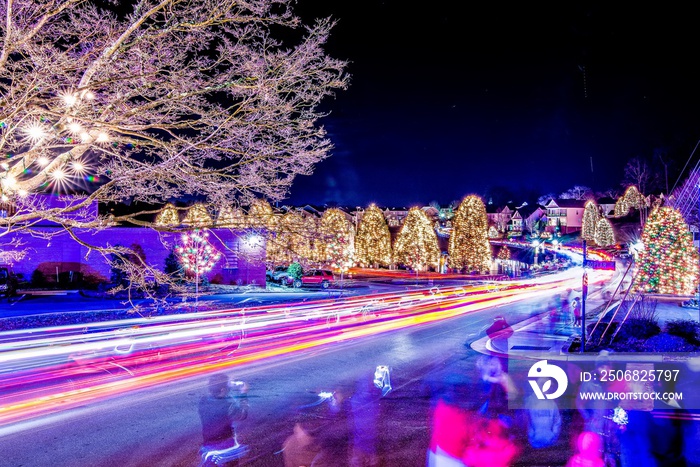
366,416
576,310
220,410
497,388
543,420
302,448
450,421
588,451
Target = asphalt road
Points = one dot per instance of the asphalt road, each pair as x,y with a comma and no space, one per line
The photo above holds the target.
160,426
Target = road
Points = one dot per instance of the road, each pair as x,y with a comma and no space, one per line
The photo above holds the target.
126,423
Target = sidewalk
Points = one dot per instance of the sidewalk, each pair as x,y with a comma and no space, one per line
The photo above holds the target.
538,337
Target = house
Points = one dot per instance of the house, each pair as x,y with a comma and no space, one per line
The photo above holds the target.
59,257
606,205
565,215
525,219
500,216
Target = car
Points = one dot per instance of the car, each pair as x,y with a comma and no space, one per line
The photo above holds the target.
8,282
279,274
320,277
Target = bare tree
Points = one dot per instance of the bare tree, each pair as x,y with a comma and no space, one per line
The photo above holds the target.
579,192
639,174
172,98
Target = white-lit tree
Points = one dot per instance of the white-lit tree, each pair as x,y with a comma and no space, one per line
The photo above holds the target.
469,246
155,100
416,245
590,221
373,242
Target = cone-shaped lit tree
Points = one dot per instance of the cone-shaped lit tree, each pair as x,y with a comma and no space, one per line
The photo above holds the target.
469,246
373,242
168,217
604,235
197,217
231,218
668,264
261,216
291,242
631,199
590,221
416,245
504,253
338,242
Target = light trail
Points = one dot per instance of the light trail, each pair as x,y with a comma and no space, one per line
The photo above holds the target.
49,370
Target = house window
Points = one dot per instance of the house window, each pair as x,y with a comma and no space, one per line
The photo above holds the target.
230,255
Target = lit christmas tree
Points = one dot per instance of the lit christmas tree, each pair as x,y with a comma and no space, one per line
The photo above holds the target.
631,199
590,221
604,235
337,240
469,246
668,264
416,245
168,217
504,253
291,241
261,216
231,218
198,217
373,242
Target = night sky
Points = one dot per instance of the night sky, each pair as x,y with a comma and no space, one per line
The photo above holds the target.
502,100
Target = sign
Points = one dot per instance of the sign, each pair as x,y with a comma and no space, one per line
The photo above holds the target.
607,265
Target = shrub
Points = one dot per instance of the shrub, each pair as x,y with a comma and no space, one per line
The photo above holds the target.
38,278
636,328
630,344
294,270
668,343
685,328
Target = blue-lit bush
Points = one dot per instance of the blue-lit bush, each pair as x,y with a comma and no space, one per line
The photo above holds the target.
685,328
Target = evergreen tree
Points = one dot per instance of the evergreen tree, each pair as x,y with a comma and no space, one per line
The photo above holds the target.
291,241
416,245
337,240
668,264
590,221
604,235
632,199
168,216
373,242
469,246
231,217
197,217
504,253
173,267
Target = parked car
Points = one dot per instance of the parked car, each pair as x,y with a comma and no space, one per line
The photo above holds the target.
279,274
320,277
8,282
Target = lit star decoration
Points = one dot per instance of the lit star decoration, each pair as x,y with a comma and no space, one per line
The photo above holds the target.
196,255
469,246
416,245
373,242
668,264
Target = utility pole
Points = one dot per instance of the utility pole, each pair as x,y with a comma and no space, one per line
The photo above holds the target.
584,293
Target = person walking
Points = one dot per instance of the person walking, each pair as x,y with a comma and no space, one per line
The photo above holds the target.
220,410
